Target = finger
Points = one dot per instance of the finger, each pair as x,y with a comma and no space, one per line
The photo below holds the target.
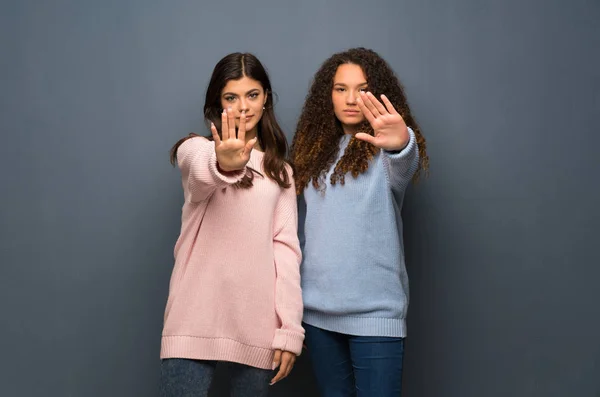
378,105
366,137
279,376
248,148
242,127
224,126
289,371
288,362
368,100
277,358
361,105
215,134
390,108
283,369
290,366
231,121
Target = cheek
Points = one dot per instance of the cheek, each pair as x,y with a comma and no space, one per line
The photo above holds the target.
258,107
336,103
257,110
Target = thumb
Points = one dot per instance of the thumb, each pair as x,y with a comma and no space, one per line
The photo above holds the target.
365,137
249,146
277,358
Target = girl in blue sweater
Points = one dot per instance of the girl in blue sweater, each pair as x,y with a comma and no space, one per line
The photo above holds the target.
356,149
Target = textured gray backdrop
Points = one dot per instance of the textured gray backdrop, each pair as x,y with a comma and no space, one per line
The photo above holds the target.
501,240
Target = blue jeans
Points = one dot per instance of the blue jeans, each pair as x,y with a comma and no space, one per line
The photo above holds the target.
355,366
192,378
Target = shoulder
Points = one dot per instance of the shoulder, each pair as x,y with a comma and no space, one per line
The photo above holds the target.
191,147
193,144
289,171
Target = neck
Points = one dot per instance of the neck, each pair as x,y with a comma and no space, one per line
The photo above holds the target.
350,129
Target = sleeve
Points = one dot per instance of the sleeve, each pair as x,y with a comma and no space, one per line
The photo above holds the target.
402,165
287,256
200,175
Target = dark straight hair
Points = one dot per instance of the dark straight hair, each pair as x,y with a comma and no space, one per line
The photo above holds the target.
270,135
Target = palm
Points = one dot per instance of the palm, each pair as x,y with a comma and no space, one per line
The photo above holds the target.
389,129
233,152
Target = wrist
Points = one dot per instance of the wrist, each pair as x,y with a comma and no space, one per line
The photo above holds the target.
397,150
402,146
226,170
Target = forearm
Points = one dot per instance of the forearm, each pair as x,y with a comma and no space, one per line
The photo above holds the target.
402,164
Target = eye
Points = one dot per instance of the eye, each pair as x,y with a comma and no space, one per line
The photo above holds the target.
340,89
254,95
363,90
230,98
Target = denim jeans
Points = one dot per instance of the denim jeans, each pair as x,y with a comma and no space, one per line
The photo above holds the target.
192,378
355,366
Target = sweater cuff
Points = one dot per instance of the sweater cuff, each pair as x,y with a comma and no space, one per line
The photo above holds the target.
288,341
225,179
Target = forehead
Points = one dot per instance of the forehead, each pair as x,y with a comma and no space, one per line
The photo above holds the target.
242,85
349,74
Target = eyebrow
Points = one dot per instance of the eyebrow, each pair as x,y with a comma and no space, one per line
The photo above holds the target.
231,93
344,85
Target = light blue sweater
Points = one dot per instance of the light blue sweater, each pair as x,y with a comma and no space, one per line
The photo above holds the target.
354,279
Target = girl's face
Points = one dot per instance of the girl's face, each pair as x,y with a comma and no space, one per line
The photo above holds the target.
246,95
348,82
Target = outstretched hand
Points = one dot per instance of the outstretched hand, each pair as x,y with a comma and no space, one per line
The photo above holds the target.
233,152
389,129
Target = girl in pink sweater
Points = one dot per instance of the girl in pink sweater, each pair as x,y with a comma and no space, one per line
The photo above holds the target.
234,294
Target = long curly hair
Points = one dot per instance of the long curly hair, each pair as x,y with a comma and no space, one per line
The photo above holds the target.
270,135
318,133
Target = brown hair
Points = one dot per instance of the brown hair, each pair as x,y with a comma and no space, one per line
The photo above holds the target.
318,133
270,135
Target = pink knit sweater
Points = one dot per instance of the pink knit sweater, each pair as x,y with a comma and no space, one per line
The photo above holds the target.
235,290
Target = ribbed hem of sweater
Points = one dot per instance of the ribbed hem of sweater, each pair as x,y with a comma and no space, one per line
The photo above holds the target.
217,349
358,326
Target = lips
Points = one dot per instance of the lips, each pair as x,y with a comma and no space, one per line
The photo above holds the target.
350,112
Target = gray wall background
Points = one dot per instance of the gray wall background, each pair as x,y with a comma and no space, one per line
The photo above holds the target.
501,240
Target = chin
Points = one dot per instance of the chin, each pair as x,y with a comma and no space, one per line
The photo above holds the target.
250,126
351,122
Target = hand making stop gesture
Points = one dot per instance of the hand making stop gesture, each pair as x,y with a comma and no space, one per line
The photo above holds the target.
390,131
233,152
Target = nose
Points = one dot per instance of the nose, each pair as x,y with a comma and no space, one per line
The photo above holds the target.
243,106
351,98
